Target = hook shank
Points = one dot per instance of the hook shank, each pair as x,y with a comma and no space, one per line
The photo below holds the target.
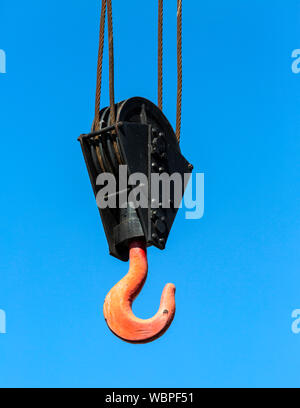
118,303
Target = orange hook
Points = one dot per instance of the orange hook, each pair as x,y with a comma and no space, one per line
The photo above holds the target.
118,303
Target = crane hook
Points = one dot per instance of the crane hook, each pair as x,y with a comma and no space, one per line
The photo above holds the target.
118,302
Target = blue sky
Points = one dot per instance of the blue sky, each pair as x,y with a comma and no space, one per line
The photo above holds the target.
236,270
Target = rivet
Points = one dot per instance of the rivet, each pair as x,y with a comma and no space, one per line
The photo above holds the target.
162,242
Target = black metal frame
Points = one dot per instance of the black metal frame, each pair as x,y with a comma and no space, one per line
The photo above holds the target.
145,148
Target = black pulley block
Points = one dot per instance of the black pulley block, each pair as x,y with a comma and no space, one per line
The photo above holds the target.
143,140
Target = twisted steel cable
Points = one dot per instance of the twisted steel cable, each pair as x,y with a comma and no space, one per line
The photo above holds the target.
100,65
160,53
179,69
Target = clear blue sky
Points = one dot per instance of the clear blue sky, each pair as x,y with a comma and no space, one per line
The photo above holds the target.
236,270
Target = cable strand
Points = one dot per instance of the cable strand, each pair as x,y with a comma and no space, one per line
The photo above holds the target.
160,53
100,65
179,69
111,62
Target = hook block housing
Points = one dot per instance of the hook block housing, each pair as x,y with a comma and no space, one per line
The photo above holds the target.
144,141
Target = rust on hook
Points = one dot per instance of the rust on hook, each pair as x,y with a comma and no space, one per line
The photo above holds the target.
118,303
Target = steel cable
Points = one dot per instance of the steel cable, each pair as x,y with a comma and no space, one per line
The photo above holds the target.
179,69
160,53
